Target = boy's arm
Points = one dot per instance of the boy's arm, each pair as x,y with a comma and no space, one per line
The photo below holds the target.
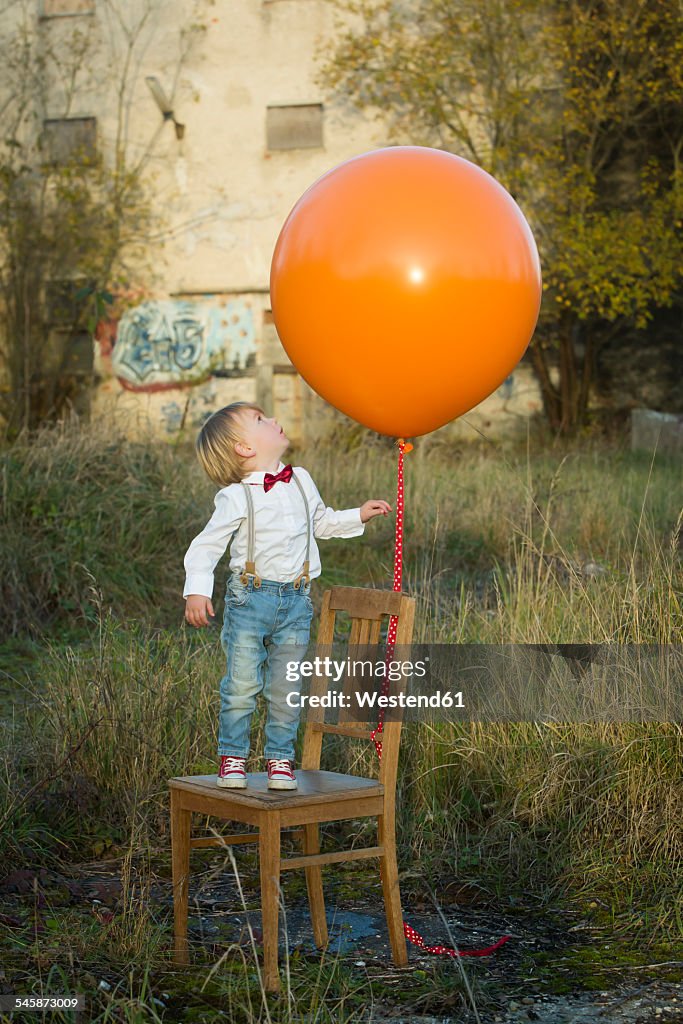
328,522
206,549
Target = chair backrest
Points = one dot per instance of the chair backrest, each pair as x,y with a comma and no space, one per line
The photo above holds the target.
366,608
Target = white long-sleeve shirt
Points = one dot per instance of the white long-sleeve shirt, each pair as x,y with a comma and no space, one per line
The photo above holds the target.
279,531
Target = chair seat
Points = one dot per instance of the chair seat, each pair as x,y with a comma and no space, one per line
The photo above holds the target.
314,787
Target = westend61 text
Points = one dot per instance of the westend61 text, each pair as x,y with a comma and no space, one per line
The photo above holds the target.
332,699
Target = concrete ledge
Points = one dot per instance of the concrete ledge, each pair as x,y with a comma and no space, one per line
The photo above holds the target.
660,430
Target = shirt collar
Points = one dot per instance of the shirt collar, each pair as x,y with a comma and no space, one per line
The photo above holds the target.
257,475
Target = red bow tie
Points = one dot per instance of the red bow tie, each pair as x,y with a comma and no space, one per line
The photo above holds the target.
270,480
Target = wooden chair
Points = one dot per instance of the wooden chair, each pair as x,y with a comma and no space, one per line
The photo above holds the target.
321,796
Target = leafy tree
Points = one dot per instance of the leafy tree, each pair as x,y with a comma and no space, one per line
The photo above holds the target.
574,106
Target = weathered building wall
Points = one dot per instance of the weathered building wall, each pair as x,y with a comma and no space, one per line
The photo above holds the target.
257,132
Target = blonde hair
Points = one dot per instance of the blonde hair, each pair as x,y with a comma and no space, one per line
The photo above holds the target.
215,444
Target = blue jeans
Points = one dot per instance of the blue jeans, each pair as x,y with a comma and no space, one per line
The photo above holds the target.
263,629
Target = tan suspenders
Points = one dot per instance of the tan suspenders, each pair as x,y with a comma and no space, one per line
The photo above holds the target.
250,567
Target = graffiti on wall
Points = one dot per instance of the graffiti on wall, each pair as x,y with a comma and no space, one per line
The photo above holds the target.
193,409
170,343
171,417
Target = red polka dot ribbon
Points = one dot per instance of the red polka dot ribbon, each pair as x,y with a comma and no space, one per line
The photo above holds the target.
408,930
417,940
398,572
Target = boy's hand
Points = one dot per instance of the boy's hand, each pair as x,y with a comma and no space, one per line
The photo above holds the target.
374,507
197,608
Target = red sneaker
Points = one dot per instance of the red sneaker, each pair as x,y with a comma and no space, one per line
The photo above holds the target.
281,774
231,773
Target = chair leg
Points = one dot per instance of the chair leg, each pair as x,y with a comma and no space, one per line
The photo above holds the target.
388,869
314,884
180,860
269,863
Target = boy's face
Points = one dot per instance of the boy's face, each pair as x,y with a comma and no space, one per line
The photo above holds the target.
263,439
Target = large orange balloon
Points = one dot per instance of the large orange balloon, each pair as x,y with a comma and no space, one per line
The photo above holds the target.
405,286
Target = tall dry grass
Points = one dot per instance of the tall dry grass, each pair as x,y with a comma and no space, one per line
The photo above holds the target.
502,546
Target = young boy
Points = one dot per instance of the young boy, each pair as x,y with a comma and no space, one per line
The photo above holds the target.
273,513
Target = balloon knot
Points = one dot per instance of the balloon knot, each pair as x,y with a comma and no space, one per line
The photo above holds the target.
407,447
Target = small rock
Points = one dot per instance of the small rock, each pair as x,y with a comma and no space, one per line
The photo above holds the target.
512,1005
528,1001
594,569
104,985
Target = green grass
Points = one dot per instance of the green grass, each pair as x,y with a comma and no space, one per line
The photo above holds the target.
114,694
496,540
